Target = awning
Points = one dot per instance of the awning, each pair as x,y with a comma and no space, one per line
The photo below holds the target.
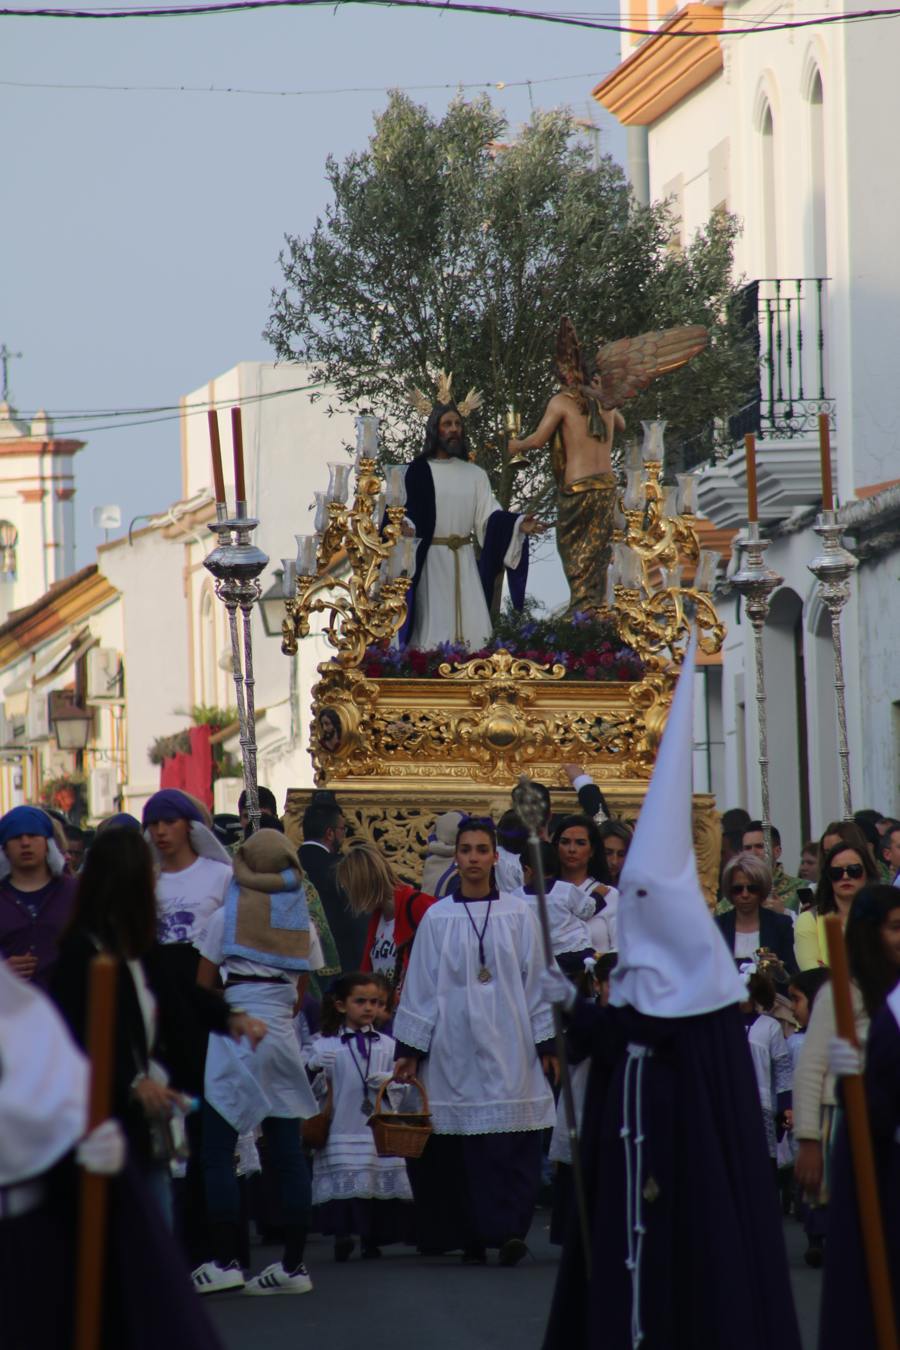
53,662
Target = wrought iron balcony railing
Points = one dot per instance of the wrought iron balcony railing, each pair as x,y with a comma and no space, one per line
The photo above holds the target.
785,317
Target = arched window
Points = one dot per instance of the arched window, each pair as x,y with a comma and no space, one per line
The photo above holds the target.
818,217
769,201
208,650
9,538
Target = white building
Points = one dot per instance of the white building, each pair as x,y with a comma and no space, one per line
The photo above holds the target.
176,630
793,131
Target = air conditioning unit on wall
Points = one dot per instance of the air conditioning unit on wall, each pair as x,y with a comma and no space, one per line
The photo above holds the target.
103,790
37,719
103,675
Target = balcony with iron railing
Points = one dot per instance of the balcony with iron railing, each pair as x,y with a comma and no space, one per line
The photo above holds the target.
786,320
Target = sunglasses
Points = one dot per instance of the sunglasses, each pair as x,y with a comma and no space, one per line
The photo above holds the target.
854,870
752,888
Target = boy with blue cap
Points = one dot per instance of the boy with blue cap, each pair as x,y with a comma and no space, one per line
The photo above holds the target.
36,895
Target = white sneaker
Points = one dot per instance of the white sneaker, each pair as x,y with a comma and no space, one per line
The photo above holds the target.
275,1280
211,1278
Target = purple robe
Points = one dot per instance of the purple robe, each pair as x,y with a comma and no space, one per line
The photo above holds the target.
711,1267
22,933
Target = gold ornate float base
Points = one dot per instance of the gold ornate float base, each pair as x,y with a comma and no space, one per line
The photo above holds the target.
399,816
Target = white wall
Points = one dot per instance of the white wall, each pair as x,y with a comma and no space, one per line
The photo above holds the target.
149,574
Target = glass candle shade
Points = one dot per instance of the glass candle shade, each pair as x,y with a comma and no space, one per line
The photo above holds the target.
653,448
367,436
669,503
619,521
687,493
338,482
634,489
671,577
707,570
307,551
629,568
378,507
320,520
396,485
632,455
288,577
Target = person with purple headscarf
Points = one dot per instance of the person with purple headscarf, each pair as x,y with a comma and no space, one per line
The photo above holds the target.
36,896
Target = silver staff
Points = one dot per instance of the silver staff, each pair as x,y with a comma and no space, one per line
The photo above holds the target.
756,582
236,563
530,805
833,568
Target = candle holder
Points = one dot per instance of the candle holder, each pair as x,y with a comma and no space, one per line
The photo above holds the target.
236,564
653,543
833,568
756,581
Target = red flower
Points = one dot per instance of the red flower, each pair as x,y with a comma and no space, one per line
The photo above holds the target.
606,660
418,662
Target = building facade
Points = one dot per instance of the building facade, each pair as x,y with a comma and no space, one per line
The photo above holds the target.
791,130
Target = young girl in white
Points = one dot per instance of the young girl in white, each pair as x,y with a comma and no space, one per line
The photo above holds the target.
355,1192
769,1051
568,909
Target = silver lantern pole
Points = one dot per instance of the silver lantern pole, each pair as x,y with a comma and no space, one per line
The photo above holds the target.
833,568
756,582
236,564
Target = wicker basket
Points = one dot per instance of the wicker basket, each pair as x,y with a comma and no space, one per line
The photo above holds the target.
400,1134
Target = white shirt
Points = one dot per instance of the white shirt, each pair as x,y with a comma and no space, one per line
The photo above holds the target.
746,945
383,952
212,940
186,900
568,908
481,1069
602,926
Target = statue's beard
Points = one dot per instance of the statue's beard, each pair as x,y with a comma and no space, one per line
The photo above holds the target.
452,446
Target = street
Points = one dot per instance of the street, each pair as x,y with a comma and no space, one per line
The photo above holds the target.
406,1303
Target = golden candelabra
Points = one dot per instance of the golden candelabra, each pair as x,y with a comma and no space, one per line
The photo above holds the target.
655,540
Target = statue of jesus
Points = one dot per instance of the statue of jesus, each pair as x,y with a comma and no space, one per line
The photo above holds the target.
451,506
581,421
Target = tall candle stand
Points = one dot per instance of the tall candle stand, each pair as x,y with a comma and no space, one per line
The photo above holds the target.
236,564
756,582
833,568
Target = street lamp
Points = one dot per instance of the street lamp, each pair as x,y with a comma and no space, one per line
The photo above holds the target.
271,605
72,724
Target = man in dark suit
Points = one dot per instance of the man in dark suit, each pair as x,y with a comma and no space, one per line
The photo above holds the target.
324,831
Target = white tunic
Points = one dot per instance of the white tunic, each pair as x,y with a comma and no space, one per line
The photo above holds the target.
247,1086
774,1069
568,908
482,1070
348,1167
445,611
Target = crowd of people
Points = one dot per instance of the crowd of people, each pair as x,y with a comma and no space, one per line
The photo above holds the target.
271,998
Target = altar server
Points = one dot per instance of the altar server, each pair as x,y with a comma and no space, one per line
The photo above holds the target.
676,1167
259,939
473,1024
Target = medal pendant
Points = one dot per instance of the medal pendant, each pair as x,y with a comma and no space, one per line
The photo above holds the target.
367,1108
484,975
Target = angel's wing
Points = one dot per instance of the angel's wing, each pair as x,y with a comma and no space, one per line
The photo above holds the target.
628,366
569,361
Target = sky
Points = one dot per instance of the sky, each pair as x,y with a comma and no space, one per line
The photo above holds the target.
141,230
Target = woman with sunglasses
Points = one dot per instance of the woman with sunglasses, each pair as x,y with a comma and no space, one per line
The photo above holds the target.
749,925
845,871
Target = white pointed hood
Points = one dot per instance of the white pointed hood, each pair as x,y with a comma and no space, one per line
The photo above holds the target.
673,961
43,1082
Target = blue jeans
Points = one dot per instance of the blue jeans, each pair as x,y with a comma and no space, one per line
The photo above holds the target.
284,1150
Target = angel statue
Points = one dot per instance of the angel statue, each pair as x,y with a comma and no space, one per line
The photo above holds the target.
582,419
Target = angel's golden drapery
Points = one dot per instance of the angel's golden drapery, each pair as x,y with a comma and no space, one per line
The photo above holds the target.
584,526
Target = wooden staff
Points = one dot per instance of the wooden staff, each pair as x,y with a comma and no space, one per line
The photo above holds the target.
857,1112
215,447
92,1213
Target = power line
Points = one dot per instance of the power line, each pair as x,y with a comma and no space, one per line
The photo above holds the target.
576,20
293,93
148,416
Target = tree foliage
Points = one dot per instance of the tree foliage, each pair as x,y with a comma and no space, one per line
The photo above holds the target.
446,248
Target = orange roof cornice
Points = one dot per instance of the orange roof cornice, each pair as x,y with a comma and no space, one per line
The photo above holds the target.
664,70
55,612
